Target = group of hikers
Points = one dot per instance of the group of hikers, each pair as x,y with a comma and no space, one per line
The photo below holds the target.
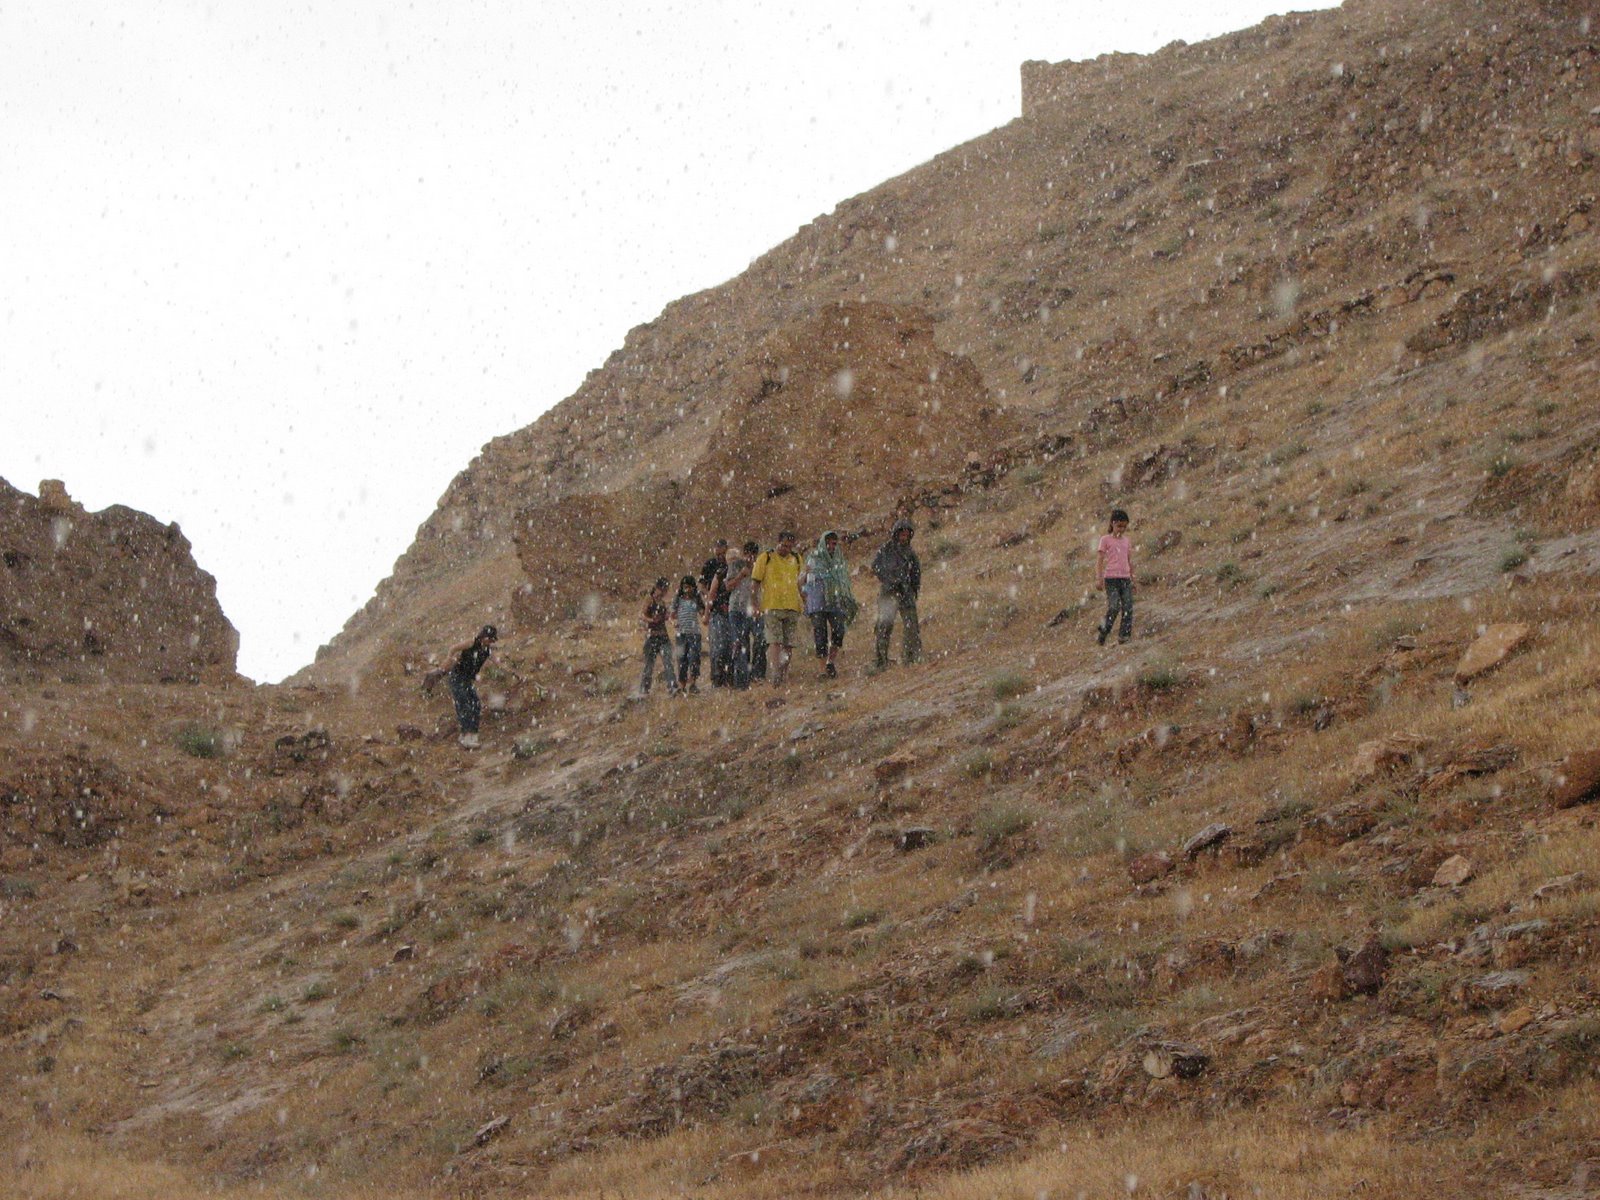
747,604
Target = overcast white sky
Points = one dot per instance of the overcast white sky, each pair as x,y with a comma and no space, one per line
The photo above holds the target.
276,271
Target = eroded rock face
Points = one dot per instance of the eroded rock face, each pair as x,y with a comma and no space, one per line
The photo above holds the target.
112,594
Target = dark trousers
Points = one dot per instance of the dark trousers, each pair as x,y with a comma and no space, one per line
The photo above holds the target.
1119,599
658,645
758,648
721,630
468,708
739,636
688,658
890,604
827,630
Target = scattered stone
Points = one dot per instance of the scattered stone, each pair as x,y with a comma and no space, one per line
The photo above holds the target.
1344,822
894,767
404,953
408,733
490,1130
1382,755
917,837
1147,868
1494,989
1174,1059
1493,646
1578,779
1560,886
1453,872
1208,838
1517,1019
1363,971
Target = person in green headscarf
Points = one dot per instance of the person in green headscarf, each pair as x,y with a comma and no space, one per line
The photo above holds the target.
831,605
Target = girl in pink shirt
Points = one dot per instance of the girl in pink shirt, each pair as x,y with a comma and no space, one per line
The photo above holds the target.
1113,565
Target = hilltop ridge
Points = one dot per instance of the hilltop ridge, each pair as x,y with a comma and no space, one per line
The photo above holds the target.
1292,896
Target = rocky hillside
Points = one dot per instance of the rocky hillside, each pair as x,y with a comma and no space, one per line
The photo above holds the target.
1293,896
113,594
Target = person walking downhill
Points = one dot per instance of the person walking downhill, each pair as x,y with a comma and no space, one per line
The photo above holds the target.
656,641
830,603
713,578
899,574
740,591
687,609
469,659
1113,565
778,573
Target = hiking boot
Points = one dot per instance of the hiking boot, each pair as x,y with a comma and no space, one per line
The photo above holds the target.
469,740
833,671
694,689
1100,637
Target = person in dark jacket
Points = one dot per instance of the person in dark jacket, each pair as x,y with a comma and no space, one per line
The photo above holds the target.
899,574
469,659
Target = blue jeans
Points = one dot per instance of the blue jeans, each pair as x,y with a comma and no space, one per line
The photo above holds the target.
468,708
658,645
721,649
688,657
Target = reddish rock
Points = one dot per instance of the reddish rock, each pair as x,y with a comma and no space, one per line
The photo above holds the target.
1493,646
894,767
1363,971
1383,755
1147,868
1578,779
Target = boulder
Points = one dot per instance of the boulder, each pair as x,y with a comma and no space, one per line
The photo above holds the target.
1494,989
1561,885
1453,872
1577,780
1517,1019
1176,1059
916,837
1208,838
1492,647
1383,755
892,768
1363,970
1147,868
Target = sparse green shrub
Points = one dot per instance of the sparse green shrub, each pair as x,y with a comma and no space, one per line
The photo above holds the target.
1229,573
346,1040
318,989
234,1051
944,548
1287,454
1502,465
978,764
1512,559
990,1004
1316,408
1008,684
1030,476
1009,716
272,1004
200,741
1161,677
345,920
530,746
1390,630
481,836
995,825
860,918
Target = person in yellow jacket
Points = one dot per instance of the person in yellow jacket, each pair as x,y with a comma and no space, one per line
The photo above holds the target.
777,574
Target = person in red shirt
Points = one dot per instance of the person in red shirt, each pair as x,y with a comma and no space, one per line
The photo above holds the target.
1113,565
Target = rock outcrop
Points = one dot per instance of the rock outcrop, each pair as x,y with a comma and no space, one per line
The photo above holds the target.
113,594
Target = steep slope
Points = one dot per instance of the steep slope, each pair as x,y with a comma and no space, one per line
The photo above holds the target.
1293,896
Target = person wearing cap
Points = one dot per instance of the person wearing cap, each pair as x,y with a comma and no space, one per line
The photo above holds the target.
899,574
778,574
469,659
